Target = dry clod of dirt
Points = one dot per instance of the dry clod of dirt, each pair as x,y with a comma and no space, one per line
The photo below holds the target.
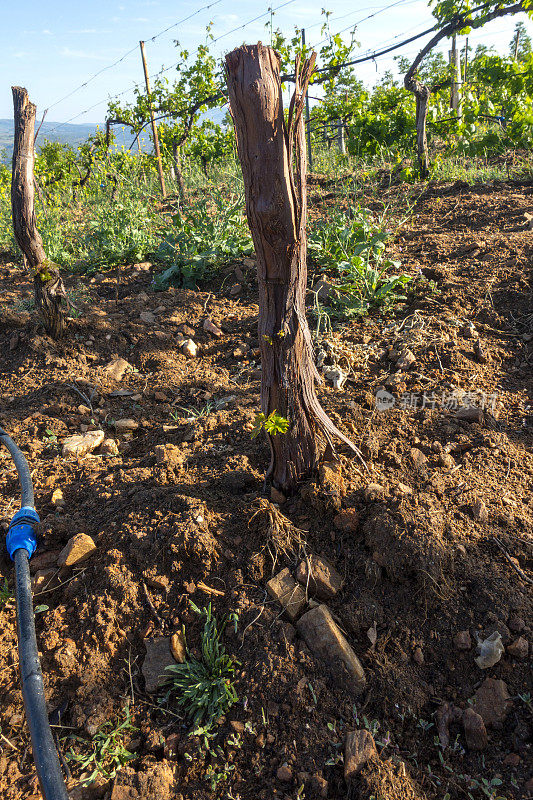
76,550
323,637
406,360
319,577
492,702
148,317
80,444
359,748
418,458
283,588
475,731
462,640
519,648
347,521
156,782
479,511
117,367
284,773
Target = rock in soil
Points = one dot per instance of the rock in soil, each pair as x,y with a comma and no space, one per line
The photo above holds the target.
109,447
519,648
283,588
319,577
76,550
359,748
158,656
323,637
189,348
82,443
126,425
475,731
211,328
492,702
462,640
177,647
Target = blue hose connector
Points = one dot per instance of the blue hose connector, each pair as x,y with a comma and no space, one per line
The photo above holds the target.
20,534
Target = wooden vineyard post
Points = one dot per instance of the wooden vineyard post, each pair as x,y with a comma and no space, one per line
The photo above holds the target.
48,286
154,126
273,160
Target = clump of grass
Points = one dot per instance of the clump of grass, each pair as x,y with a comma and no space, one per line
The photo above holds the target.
107,751
5,593
203,687
281,535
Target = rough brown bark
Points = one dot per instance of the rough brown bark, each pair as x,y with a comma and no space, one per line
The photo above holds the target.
47,283
177,169
276,206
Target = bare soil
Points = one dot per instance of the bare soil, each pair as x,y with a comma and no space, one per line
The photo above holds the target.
423,562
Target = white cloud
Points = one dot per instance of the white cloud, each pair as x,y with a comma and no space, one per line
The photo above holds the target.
46,32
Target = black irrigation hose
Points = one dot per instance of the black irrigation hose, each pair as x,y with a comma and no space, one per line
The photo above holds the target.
21,543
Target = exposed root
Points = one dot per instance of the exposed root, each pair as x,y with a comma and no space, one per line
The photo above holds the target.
281,535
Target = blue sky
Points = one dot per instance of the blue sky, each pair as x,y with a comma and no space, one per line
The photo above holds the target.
51,47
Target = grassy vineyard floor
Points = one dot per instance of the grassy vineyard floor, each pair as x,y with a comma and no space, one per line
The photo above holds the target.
422,564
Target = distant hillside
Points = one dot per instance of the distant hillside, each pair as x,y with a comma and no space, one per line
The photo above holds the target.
74,135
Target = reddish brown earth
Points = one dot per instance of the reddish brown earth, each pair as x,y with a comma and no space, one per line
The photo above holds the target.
419,557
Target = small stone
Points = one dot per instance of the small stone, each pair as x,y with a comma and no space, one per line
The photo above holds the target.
160,582
519,648
359,748
406,360
403,490
211,328
158,657
283,588
284,773
236,725
418,655
147,316
177,647
319,576
347,521
126,425
76,550
475,731
324,638
493,702
82,443
57,498
189,348
479,511
117,367
373,492
462,640
469,414
446,460
479,353
235,289
109,447
418,458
